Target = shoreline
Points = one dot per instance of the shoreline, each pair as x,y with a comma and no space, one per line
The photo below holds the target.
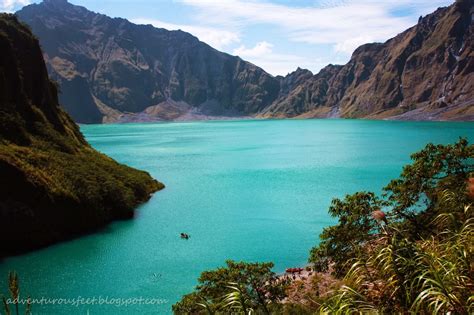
249,118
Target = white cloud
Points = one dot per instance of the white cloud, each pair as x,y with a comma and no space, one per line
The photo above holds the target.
11,5
260,50
262,54
349,45
341,24
334,22
217,38
282,64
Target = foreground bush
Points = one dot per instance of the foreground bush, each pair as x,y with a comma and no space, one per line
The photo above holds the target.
430,276
237,288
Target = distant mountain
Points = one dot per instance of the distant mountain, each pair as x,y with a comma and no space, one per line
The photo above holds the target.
424,73
110,66
113,70
53,184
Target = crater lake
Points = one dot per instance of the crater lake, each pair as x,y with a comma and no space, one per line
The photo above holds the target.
253,190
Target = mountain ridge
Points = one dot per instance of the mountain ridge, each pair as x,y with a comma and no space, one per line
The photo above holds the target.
414,71
132,67
111,70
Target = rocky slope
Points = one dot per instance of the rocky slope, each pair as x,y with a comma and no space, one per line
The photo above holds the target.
424,73
113,70
107,67
53,184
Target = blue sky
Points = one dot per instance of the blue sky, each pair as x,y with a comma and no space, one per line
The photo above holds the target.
277,35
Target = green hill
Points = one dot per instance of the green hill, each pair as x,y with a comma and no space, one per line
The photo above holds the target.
53,185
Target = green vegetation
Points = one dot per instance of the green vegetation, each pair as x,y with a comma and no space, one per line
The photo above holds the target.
341,242
413,202
238,288
54,185
399,275
407,251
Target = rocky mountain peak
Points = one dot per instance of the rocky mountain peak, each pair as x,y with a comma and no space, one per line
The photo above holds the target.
111,69
55,2
110,66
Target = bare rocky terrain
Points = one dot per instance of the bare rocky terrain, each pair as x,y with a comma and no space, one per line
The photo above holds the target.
111,70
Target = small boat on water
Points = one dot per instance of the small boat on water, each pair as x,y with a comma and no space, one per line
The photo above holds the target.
185,236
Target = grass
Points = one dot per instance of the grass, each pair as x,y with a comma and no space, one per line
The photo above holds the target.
429,276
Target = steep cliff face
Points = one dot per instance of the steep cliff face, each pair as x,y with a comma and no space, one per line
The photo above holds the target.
112,70
426,72
306,95
106,65
53,184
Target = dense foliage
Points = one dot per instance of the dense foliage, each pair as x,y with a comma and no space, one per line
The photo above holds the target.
399,275
343,241
238,287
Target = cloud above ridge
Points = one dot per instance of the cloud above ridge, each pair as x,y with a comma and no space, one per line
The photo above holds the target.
217,38
11,5
344,24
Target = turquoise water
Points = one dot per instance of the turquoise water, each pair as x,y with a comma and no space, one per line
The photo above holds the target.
243,190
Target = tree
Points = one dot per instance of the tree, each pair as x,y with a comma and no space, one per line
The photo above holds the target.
254,285
414,200
342,242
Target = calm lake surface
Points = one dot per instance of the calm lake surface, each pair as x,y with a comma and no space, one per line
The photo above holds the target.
244,190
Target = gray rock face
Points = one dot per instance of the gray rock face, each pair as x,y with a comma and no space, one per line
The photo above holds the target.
112,70
130,67
424,73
